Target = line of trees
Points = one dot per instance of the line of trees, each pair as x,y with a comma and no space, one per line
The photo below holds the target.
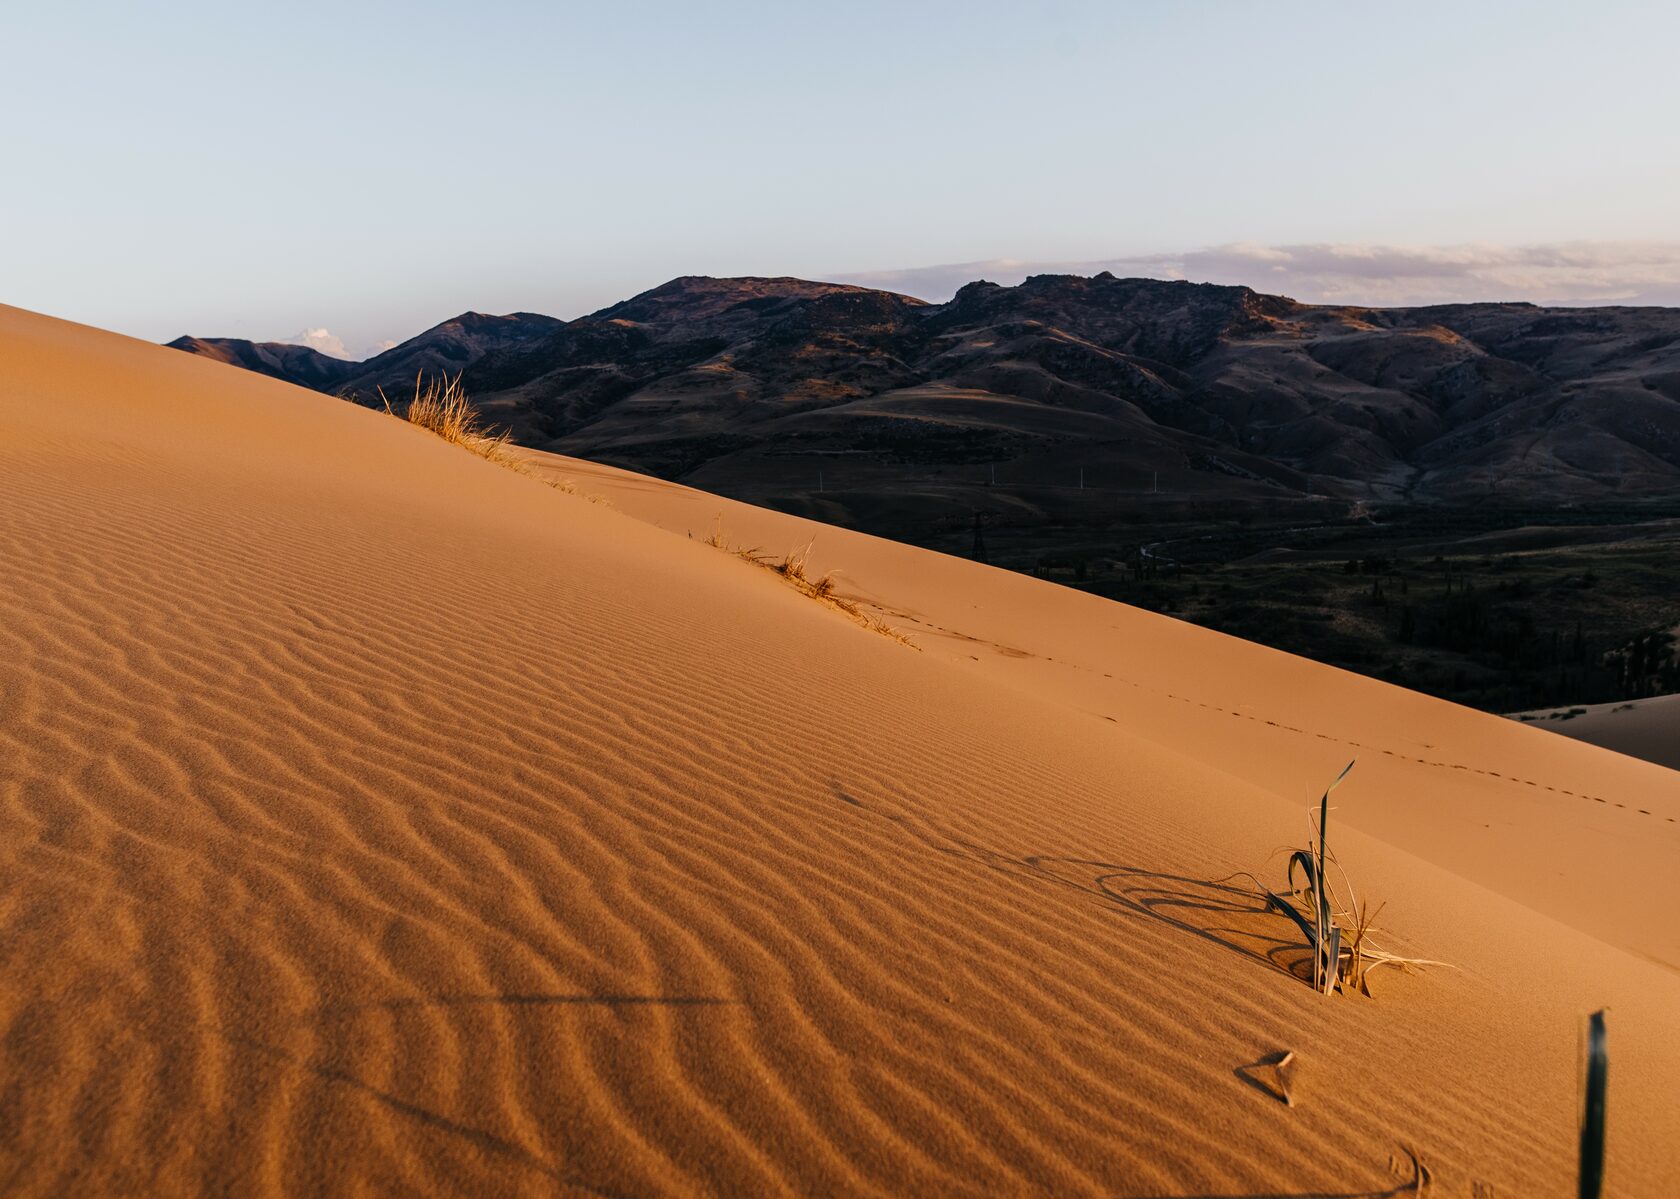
1563,665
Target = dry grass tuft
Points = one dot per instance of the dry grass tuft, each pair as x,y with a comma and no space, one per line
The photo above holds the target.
1336,922
440,405
791,566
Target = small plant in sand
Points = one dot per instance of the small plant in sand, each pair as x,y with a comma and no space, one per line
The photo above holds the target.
441,406
1337,924
792,567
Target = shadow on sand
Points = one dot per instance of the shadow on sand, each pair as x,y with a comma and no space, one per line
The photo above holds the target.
1218,911
1409,1187
519,1000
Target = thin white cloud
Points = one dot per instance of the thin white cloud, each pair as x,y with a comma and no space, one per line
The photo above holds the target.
320,340
1365,274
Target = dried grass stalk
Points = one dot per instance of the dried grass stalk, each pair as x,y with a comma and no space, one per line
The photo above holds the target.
792,567
1337,931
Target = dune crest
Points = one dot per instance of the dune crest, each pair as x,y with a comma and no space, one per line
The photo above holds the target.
379,819
1643,728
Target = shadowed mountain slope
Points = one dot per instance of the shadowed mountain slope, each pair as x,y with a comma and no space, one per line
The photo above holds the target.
753,386
447,348
302,365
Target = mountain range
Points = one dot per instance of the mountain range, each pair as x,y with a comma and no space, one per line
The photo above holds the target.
775,386
447,348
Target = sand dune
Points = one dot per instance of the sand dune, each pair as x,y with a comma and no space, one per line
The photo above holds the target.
1641,728
1587,837
382,821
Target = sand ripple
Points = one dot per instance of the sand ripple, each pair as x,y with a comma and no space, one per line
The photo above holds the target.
381,822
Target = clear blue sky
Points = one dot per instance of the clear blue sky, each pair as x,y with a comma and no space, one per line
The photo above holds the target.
370,167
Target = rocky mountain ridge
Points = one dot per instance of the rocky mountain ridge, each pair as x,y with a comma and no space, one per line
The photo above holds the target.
762,387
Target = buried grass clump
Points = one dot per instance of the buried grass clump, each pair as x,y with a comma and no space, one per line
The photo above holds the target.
791,567
1336,923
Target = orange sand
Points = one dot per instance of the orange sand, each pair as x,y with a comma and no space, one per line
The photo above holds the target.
381,821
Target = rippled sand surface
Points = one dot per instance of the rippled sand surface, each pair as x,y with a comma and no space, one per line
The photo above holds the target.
378,820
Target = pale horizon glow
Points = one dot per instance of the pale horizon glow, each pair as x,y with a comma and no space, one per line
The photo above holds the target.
347,175
1579,273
